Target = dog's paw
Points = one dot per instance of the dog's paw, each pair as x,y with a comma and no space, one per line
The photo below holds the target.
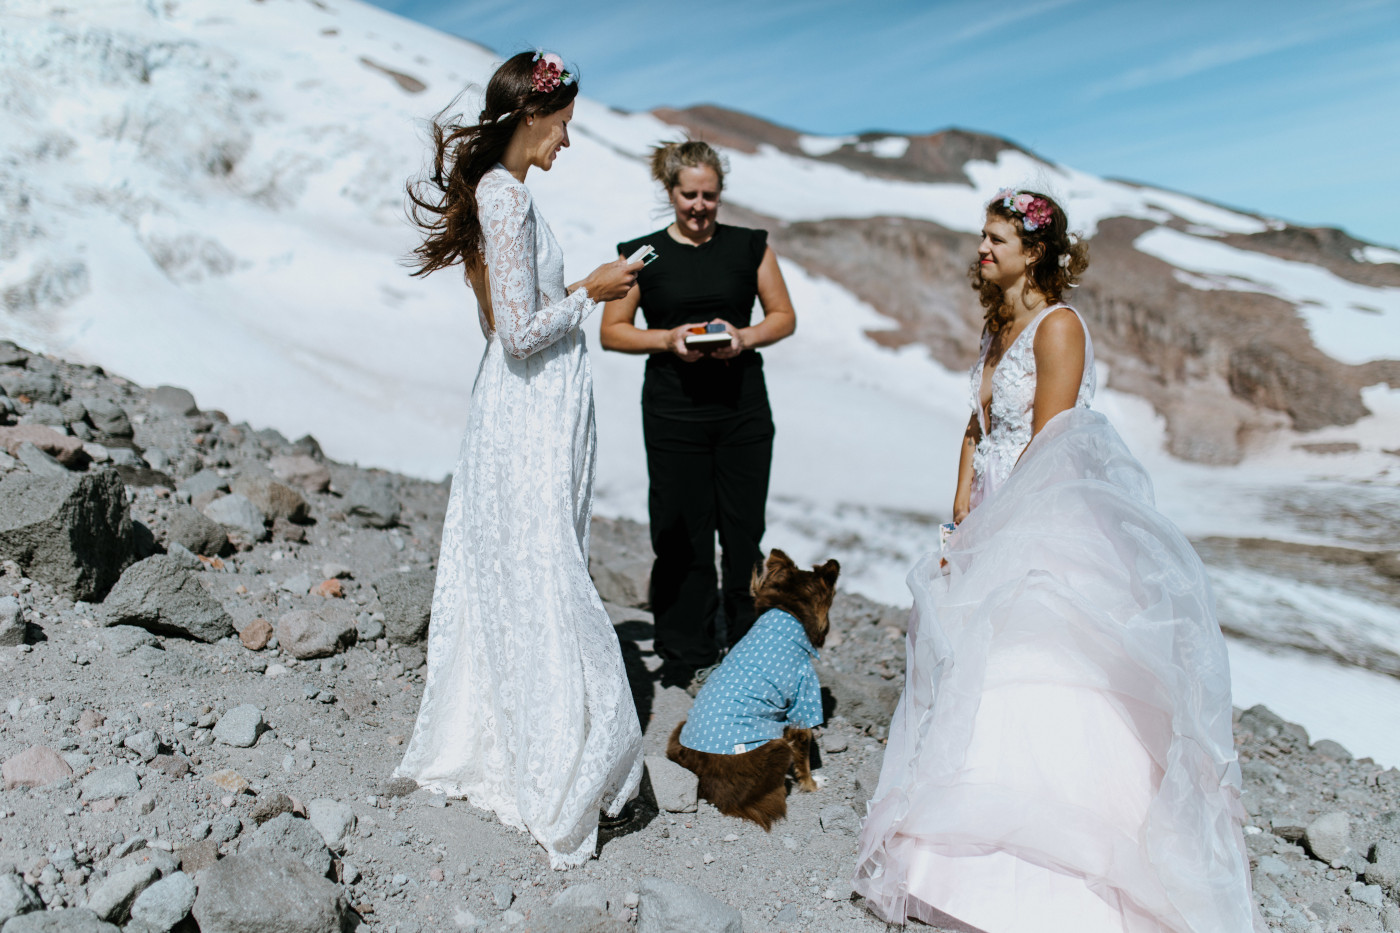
819,781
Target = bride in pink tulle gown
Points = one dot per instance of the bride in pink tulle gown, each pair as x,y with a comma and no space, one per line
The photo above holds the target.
1061,760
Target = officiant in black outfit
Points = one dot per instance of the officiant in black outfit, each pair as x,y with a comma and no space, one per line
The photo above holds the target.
705,416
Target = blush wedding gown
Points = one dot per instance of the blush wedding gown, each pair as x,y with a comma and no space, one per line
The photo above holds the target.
1061,760
526,709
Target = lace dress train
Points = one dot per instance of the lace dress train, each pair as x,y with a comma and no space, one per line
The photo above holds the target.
526,709
1061,760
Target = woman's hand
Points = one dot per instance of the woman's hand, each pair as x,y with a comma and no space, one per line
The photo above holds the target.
962,505
737,343
675,342
611,281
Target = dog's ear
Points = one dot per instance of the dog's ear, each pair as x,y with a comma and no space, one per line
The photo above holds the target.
828,571
763,574
777,559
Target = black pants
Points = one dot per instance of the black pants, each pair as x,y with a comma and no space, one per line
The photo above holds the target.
706,476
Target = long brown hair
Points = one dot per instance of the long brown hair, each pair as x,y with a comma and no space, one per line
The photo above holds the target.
443,204
1063,259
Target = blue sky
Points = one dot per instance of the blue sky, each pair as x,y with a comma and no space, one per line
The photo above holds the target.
1284,107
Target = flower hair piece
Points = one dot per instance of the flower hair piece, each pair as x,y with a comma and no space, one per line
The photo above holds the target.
549,72
1035,212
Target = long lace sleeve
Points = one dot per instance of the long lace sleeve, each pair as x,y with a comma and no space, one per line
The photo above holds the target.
522,323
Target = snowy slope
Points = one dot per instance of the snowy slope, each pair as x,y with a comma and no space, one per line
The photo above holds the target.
209,193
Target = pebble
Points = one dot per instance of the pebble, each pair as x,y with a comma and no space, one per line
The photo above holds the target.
503,895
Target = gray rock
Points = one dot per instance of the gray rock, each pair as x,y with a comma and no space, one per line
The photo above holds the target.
12,355
571,919
318,633
162,596
196,531
112,781
46,414
72,532
1329,836
1369,894
1334,750
225,829
297,584
38,462
1384,869
183,556
240,514
269,892
503,895
272,498
68,920
112,901
121,640
840,819
671,907
125,456
296,837
619,560
166,902
108,417
203,482
1390,918
16,898
240,726
13,628
864,699
368,627
302,471
143,743
372,502
588,895
676,788
39,386
407,602
335,821
174,400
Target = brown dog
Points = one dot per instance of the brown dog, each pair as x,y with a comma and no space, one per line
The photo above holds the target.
753,718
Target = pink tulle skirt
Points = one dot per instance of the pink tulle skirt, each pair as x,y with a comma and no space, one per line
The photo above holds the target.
1062,756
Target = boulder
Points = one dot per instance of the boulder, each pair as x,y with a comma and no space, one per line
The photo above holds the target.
406,600
671,907
318,633
165,903
174,400
619,560
13,629
269,892
240,726
108,417
35,386
71,532
34,767
676,788
113,899
160,595
294,836
240,514
38,462
272,498
64,448
12,355
301,471
372,502
65,920
196,532
16,898
335,821
1329,836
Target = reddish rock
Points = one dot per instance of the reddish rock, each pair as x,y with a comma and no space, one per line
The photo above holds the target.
331,589
65,449
89,720
173,766
256,634
34,767
105,805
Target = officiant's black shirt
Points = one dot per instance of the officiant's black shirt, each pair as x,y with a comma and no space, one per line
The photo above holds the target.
694,285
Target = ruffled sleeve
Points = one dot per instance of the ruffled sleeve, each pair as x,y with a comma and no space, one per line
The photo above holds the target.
524,324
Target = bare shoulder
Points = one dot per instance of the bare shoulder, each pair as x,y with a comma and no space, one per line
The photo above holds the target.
1060,333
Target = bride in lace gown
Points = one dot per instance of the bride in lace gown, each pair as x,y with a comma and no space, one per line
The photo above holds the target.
1061,760
526,707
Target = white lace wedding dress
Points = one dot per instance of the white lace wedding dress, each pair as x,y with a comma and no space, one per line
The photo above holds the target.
1061,760
526,710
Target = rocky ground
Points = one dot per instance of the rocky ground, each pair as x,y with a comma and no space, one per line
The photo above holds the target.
211,657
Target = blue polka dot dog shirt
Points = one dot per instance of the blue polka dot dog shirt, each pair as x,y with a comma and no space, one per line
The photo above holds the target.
764,684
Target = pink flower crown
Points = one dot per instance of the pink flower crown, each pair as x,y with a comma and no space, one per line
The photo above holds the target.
1035,212
549,72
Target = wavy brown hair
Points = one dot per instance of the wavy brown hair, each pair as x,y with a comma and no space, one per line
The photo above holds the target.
668,159
443,203
1062,259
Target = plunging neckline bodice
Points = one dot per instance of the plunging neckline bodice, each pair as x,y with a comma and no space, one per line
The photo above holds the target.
986,384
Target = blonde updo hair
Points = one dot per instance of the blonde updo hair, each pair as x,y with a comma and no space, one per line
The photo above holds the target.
668,159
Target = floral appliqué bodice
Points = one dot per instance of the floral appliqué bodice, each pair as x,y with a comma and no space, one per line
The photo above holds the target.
1013,403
